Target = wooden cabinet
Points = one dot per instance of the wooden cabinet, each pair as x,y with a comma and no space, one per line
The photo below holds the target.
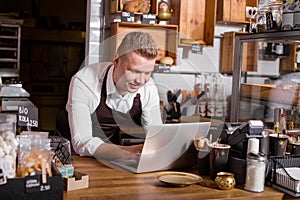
249,53
196,21
289,63
165,36
49,59
233,11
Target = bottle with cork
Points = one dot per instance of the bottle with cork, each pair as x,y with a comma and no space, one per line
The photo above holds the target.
282,123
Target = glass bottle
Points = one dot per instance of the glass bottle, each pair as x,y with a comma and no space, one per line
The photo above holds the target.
211,100
282,123
202,100
276,127
220,96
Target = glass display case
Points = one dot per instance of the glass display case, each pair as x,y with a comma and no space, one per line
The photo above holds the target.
258,95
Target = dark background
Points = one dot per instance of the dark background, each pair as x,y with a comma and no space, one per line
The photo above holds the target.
52,50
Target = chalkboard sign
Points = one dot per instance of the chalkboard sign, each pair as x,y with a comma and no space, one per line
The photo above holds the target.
127,17
148,19
27,116
62,153
197,49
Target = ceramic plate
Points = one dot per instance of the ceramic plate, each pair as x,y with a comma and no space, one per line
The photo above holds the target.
179,178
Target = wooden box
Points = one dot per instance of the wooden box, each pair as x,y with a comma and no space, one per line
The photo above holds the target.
165,36
196,20
233,11
78,181
116,6
289,63
249,55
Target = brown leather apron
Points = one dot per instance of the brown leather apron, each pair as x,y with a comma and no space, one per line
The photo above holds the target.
107,122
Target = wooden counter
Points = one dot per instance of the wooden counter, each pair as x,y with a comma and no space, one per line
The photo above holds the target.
108,183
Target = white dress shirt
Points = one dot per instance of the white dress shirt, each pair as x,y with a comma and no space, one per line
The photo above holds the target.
84,98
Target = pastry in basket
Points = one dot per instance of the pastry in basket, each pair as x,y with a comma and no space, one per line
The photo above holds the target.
131,6
144,6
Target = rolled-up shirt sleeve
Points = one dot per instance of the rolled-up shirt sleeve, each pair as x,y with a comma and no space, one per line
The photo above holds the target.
81,104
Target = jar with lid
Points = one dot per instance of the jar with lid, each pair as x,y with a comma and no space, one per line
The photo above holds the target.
261,20
255,172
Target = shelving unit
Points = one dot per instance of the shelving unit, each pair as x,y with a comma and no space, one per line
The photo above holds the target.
10,43
165,36
285,37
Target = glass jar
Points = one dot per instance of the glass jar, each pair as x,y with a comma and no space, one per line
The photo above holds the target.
261,20
276,10
255,173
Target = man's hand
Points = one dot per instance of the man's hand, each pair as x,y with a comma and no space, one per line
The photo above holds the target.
117,152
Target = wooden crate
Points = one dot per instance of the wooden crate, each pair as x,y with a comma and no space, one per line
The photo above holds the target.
289,63
271,92
116,6
233,11
250,54
196,20
165,36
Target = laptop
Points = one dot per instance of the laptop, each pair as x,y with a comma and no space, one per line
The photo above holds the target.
166,146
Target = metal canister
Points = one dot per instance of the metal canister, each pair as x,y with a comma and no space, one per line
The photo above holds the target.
255,173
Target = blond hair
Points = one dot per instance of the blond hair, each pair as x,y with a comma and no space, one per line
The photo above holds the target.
141,43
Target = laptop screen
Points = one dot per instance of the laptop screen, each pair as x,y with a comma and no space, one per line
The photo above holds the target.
170,146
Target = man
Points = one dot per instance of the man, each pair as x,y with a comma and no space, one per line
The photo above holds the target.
106,96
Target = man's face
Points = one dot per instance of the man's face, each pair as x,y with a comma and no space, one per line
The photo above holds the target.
131,72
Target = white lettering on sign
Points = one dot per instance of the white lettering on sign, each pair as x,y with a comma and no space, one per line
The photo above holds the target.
28,121
32,183
27,116
23,110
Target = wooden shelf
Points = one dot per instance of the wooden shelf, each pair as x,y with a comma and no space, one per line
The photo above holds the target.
65,36
271,92
165,36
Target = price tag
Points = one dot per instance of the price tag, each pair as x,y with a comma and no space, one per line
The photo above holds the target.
148,19
33,184
2,177
61,153
127,17
197,49
27,116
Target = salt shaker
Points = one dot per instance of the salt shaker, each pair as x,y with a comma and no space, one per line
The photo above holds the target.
255,173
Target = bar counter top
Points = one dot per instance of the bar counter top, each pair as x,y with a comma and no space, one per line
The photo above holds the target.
108,183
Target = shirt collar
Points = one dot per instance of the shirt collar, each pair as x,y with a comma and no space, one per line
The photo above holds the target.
110,86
